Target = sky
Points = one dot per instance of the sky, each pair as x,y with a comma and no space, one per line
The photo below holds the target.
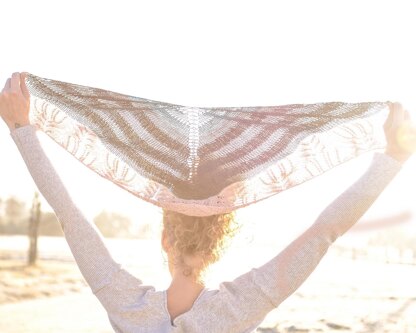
217,53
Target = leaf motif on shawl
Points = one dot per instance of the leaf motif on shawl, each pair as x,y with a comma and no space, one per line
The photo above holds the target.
202,160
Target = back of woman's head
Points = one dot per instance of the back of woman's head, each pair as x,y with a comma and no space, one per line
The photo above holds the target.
203,236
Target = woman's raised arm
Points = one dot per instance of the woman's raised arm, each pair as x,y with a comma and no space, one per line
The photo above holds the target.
84,239
265,287
106,278
285,273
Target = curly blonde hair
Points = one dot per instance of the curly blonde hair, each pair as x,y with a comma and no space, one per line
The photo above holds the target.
207,236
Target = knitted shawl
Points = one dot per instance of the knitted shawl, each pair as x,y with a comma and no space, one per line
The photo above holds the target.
202,161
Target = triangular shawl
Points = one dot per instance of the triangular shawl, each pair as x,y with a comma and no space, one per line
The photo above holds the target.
202,160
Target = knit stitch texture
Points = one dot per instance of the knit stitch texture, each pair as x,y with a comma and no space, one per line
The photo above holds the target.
202,160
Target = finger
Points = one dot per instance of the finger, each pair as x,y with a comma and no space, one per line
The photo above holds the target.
15,84
390,116
6,85
398,107
399,115
23,85
407,116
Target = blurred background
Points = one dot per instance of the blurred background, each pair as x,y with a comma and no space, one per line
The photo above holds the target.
217,53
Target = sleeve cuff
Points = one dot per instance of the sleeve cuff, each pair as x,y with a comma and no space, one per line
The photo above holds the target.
387,160
22,134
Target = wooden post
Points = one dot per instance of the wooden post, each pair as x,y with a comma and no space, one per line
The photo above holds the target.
33,230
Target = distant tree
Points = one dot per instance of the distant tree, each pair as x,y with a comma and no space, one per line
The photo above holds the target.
15,216
2,222
33,231
112,224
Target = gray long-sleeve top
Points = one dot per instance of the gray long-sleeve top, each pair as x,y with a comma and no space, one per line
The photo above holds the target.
236,306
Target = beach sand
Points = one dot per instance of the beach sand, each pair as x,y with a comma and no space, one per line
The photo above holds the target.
341,295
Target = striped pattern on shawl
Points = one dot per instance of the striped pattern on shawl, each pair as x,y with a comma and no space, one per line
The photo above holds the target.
202,160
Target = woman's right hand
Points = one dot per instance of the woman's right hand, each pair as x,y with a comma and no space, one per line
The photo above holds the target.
400,133
15,101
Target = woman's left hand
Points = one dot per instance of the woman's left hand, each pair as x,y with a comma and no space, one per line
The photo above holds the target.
400,133
15,102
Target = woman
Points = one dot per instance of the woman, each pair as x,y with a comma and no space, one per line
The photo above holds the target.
192,243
